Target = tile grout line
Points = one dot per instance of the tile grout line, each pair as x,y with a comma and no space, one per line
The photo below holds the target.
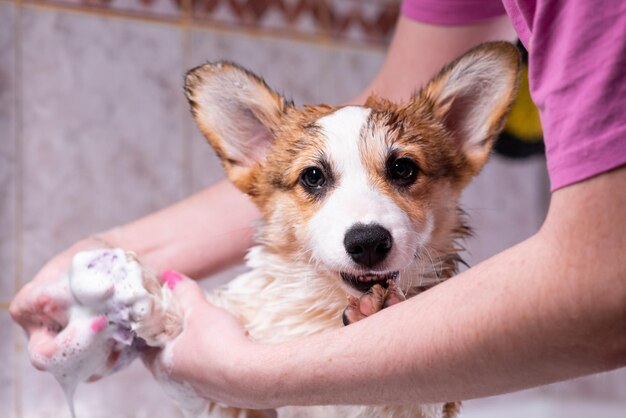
19,201
187,160
326,46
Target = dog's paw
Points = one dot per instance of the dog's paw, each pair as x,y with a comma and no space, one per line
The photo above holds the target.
371,302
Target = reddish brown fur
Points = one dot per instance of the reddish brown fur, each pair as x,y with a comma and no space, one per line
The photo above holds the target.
274,184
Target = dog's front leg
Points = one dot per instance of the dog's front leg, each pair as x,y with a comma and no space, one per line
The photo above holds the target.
371,302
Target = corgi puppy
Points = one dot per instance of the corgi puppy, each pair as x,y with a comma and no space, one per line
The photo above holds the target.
358,203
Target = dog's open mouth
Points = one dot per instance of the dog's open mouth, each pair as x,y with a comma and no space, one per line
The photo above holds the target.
364,282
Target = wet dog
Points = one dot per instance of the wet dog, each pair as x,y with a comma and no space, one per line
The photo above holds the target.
360,204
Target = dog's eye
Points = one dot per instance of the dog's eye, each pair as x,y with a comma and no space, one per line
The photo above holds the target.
312,178
402,171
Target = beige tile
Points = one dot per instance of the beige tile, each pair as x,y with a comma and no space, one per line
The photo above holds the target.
513,406
610,386
103,145
103,133
206,168
505,204
7,371
8,163
294,68
350,71
308,73
602,395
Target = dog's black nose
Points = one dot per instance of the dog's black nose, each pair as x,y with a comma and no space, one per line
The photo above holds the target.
367,244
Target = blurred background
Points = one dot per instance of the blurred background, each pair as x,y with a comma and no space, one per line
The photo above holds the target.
95,132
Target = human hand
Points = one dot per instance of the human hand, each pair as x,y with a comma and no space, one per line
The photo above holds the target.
58,340
208,360
41,306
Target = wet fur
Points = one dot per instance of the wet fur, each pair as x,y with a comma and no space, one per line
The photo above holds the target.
287,293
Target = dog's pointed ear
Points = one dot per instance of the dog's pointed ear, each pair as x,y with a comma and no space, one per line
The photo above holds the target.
472,97
237,112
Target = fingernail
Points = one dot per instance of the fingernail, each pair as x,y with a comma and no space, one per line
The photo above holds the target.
99,324
171,279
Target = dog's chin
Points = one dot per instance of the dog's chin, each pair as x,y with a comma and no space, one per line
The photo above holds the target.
363,282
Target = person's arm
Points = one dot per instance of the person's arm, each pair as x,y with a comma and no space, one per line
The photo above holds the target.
548,309
197,236
419,50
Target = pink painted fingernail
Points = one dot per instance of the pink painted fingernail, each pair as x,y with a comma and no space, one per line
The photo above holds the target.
99,324
171,279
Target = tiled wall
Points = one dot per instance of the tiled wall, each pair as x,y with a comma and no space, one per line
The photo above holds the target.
94,132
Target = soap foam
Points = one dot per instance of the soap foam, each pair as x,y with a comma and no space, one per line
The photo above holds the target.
117,308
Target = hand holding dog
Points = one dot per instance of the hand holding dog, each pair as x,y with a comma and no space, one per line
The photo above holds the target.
208,355
43,315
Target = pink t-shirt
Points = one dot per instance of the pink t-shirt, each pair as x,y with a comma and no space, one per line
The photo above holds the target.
577,73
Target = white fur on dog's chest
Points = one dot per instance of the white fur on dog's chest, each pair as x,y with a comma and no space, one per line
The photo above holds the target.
278,301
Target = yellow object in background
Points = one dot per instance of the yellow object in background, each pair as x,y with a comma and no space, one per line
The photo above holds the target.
522,135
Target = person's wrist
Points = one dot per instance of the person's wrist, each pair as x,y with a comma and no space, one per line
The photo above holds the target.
113,238
118,237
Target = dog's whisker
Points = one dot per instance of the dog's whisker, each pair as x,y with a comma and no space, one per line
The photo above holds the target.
431,261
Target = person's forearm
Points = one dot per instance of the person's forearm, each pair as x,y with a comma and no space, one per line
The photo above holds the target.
548,309
418,50
196,236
